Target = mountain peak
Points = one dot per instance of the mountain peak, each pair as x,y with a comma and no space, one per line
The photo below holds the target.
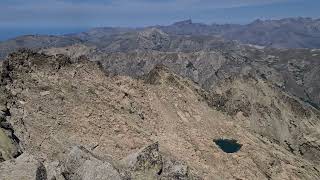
152,32
185,22
161,74
285,20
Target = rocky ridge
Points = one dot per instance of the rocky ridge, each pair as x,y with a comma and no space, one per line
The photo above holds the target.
294,71
76,121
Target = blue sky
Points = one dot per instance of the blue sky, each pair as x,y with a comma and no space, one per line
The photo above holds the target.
21,15
89,13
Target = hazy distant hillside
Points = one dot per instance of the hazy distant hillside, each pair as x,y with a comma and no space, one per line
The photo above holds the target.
184,35
284,33
156,39
187,27
35,42
95,34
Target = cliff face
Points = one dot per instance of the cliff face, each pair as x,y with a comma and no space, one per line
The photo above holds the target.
70,120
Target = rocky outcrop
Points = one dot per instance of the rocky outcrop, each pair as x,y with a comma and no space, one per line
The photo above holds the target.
81,164
145,164
173,169
25,167
9,143
149,163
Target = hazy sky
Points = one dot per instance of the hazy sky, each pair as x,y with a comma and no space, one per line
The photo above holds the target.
48,16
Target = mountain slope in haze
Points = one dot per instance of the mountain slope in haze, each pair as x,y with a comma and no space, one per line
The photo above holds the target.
95,34
284,33
114,41
157,40
188,27
54,104
35,42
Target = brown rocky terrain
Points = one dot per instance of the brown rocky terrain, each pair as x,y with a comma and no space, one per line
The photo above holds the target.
65,118
296,71
138,50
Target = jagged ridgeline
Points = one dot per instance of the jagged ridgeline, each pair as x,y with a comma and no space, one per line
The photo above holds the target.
204,53
283,33
71,118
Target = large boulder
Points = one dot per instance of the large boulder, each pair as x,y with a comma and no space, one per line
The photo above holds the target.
145,164
173,170
148,163
81,164
9,145
25,167
8,150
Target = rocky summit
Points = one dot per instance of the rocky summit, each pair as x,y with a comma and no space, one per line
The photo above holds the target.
69,118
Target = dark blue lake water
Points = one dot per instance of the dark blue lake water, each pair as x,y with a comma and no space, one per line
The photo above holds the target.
228,145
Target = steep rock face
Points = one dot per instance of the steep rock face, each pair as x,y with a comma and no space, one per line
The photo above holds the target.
56,103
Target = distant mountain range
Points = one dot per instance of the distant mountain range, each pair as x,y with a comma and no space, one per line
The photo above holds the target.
257,43
284,33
